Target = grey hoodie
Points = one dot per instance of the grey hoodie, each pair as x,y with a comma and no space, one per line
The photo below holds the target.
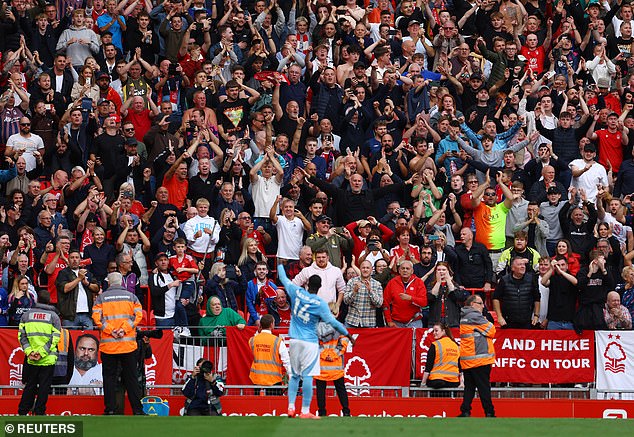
79,52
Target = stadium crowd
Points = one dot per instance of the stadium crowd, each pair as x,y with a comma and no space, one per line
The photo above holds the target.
406,152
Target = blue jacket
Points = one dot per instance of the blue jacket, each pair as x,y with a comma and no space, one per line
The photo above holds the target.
7,175
252,299
501,139
227,292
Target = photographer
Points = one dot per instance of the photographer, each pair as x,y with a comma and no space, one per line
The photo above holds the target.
202,391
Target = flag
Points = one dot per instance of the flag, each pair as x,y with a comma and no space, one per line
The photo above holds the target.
615,360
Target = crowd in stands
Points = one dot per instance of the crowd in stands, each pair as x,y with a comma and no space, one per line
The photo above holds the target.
406,152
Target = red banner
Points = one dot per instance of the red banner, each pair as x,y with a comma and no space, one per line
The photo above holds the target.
158,368
530,357
540,357
379,357
359,406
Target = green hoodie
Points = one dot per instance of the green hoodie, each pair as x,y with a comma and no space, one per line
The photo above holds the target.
227,317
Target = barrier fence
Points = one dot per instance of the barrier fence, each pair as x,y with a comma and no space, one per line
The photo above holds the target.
390,358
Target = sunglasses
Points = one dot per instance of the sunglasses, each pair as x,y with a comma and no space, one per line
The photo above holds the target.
25,124
130,129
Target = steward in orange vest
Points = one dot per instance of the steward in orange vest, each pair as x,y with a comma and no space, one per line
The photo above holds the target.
333,347
442,368
116,313
270,357
477,355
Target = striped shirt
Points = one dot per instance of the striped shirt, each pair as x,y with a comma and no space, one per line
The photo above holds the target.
10,122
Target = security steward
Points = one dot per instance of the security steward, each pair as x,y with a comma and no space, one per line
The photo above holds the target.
442,369
270,357
38,333
332,348
116,313
477,355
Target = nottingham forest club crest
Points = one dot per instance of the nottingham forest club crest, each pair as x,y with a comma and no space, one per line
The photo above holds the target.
614,355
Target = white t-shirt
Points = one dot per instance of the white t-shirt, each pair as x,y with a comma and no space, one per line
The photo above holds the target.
264,192
59,82
290,234
82,297
91,377
589,180
30,144
170,296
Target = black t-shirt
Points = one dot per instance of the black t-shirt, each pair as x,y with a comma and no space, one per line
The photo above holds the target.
286,125
108,148
234,116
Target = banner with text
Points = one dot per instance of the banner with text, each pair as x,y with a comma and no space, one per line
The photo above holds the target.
530,357
379,357
158,368
540,357
615,360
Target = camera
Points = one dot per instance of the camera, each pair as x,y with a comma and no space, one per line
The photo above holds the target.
373,245
206,367
199,26
172,69
433,237
152,333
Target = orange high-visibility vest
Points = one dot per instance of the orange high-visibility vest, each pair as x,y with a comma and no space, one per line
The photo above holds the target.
446,360
117,308
334,349
267,365
476,344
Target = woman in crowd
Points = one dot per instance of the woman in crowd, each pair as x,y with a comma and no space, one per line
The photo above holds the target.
224,288
228,246
249,257
404,250
445,297
20,300
442,368
86,86
217,318
563,248
100,254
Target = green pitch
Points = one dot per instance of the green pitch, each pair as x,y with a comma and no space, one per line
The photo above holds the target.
330,427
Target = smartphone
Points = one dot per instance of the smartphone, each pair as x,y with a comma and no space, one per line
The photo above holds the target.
47,106
88,80
433,237
86,104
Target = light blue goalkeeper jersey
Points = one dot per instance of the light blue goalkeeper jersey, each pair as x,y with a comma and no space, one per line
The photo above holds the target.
307,310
